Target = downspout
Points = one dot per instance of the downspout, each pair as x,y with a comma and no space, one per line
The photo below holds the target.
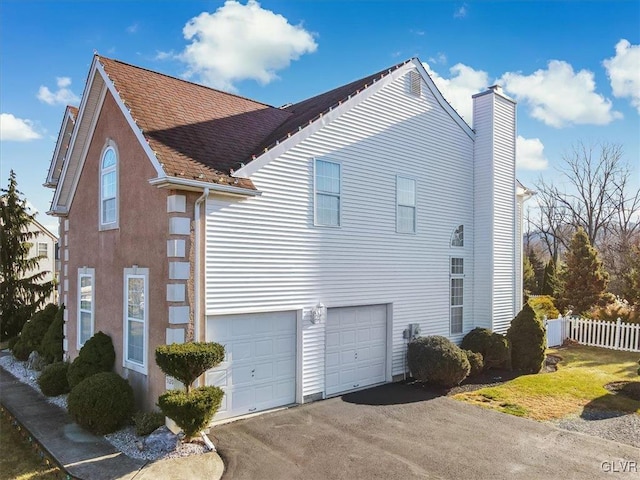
197,282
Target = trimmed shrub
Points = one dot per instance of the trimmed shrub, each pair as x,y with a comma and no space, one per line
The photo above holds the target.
51,346
543,305
187,361
101,403
97,355
495,348
33,332
436,359
528,338
147,422
53,380
191,411
476,361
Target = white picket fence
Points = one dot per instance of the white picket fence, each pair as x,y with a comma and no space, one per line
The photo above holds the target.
596,333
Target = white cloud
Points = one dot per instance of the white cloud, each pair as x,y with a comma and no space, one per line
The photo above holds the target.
461,12
559,97
16,129
63,96
133,28
239,42
439,58
624,72
160,55
530,154
458,89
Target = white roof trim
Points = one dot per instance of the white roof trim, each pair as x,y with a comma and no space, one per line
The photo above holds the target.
198,185
130,120
96,66
441,100
45,230
68,117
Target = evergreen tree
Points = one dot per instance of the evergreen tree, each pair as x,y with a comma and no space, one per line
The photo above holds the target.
550,281
585,279
528,276
538,269
21,294
632,278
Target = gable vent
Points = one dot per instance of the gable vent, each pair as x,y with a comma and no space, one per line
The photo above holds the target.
415,83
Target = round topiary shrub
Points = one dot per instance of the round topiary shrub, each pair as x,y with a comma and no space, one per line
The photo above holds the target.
495,348
187,361
436,359
33,332
51,346
101,403
97,355
191,411
528,338
476,361
53,380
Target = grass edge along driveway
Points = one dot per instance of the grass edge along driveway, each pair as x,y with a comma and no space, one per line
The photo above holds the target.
577,384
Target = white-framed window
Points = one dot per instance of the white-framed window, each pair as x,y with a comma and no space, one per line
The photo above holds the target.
405,205
43,250
86,304
327,185
457,237
109,188
457,295
136,318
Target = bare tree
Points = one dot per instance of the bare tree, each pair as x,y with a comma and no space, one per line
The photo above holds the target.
548,221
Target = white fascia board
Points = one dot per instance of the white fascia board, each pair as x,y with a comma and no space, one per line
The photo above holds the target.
79,118
441,100
325,119
197,185
132,123
61,134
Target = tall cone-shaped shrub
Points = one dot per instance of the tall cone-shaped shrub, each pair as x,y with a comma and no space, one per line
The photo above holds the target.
585,278
528,338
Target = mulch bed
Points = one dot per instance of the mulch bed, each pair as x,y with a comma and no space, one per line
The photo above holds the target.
491,378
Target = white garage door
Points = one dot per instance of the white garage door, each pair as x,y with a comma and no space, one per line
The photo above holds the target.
259,370
356,347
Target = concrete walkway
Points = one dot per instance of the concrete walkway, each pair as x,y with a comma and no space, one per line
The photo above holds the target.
86,456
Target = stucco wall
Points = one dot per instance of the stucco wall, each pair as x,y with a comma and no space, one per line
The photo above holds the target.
140,239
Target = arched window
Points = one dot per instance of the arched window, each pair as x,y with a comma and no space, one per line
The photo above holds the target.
109,188
457,238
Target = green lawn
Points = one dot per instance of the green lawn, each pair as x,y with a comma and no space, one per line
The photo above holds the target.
578,383
19,460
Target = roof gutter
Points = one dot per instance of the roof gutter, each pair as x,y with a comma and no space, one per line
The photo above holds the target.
198,185
197,283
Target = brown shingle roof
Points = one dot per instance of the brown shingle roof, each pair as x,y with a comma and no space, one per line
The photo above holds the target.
201,133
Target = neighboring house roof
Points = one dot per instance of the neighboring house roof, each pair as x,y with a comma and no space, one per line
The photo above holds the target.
44,230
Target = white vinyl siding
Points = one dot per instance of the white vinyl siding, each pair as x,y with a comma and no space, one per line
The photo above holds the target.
265,254
327,187
406,198
86,305
109,188
136,310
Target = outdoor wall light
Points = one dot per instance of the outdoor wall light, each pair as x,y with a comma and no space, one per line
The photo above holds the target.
317,313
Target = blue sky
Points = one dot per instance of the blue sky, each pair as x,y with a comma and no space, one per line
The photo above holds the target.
573,67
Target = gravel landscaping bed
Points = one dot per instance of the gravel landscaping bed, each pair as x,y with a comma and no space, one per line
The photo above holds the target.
619,427
161,444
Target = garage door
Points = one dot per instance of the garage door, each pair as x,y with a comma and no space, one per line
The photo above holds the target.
259,369
355,348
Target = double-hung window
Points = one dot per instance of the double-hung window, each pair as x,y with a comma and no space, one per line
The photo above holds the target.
86,304
457,295
109,189
327,193
43,250
136,314
406,205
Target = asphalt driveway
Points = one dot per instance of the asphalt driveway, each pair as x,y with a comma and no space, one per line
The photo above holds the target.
397,431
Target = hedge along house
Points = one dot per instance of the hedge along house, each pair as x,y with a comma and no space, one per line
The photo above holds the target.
306,238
